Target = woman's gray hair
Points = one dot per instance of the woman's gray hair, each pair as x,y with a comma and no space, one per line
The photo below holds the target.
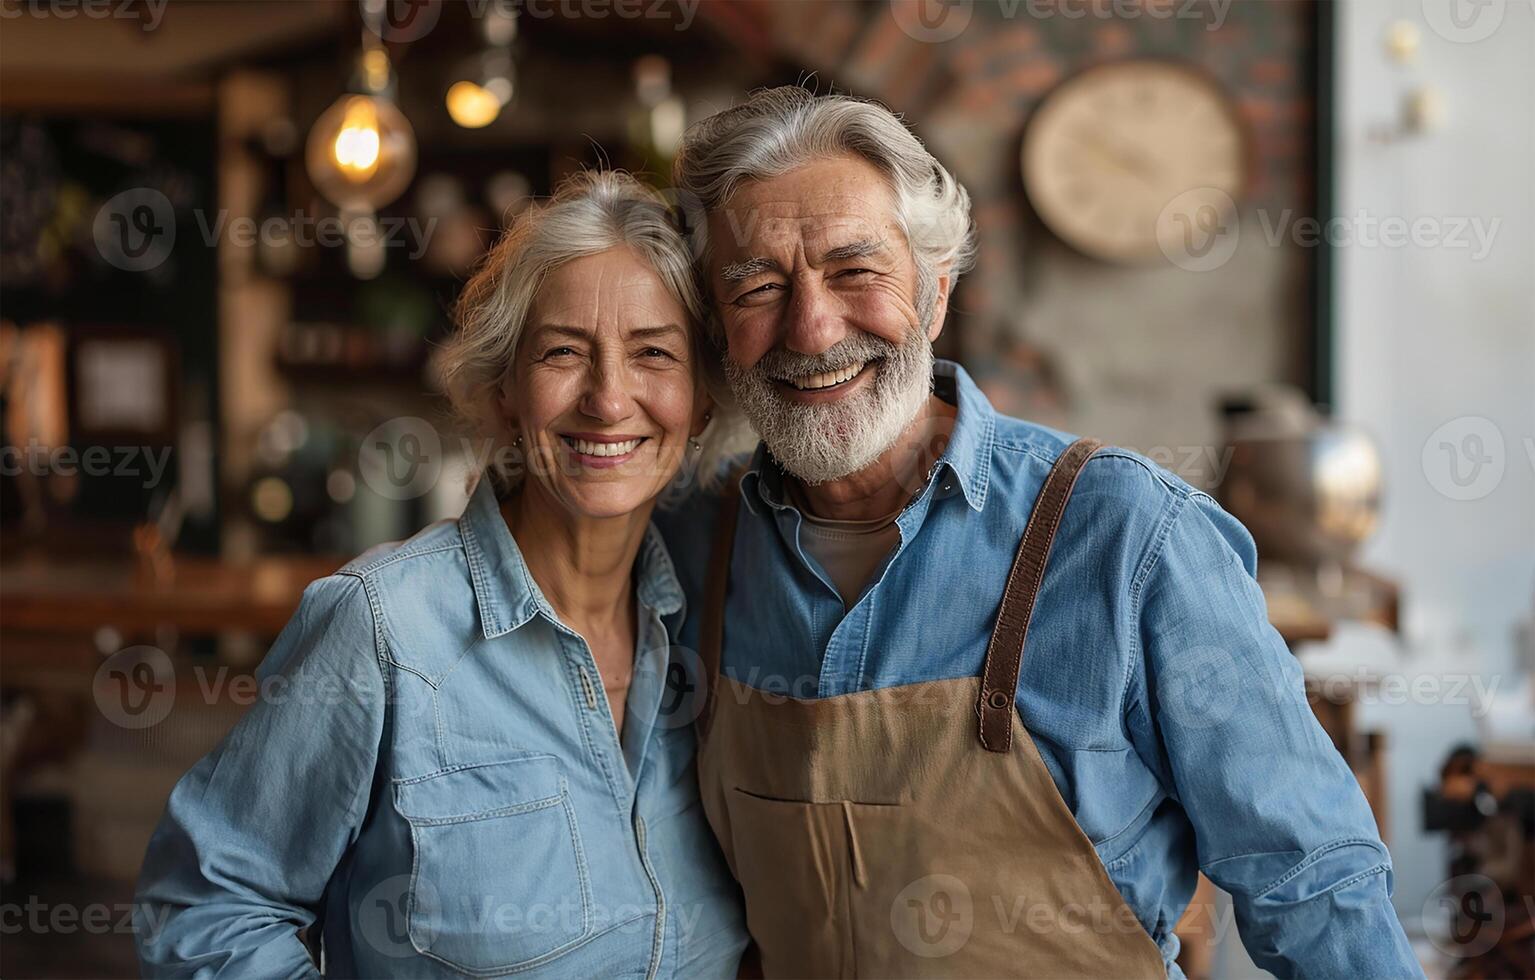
778,130
589,213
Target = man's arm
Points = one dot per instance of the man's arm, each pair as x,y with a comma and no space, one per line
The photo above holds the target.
1280,820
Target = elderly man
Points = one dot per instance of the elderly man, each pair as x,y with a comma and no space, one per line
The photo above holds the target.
981,699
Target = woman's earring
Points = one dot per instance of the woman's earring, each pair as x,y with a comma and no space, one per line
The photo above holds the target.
695,445
517,442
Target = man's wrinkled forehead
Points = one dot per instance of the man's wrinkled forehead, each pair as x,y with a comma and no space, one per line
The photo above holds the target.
756,224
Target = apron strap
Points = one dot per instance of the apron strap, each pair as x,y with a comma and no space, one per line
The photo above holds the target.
711,630
1004,653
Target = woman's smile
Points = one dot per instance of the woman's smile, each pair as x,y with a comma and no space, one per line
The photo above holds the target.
602,451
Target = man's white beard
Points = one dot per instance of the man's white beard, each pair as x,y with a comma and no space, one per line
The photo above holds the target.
828,441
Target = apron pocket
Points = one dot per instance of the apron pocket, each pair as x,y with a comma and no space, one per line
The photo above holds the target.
796,857
499,880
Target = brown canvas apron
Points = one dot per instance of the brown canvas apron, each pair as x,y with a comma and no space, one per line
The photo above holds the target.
913,830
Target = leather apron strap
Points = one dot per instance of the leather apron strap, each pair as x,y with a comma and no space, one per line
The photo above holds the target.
711,629
1004,652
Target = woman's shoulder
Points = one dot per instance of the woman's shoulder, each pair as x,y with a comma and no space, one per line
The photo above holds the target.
424,548
416,587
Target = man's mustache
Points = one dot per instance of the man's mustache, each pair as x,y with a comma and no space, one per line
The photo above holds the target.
782,365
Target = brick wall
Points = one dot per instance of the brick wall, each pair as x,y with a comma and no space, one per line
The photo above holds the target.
1132,355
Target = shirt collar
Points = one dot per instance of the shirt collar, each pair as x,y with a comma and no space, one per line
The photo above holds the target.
969,452
504,588
967,456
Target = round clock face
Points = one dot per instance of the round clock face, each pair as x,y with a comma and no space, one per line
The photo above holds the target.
1123,158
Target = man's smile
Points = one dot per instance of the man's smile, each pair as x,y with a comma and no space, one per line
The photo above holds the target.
827,385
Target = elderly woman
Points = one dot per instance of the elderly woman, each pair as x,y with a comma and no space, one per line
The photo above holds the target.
467,767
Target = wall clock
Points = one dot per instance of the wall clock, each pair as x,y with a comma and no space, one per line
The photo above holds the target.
1121,158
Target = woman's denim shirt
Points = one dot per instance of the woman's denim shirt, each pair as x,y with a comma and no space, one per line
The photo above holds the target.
431,780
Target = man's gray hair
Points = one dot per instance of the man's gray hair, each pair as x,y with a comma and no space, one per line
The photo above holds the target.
778,130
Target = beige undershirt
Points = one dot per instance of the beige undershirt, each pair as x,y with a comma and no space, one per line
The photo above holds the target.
849,551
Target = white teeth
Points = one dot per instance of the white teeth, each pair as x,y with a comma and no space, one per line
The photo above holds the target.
603,448
828,378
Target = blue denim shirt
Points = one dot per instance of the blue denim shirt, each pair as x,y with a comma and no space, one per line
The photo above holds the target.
1169,712
432,775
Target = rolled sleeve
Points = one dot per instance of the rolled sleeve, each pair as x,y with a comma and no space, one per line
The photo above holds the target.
252,834
1280,821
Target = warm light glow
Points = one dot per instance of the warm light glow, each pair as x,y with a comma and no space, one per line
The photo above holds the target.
375,69
361,152
356,149
472,106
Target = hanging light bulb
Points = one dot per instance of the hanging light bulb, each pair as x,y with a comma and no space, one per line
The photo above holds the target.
361,152
355,149
665,115
472,106
486,82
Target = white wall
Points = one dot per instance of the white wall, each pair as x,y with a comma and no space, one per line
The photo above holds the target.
1435,343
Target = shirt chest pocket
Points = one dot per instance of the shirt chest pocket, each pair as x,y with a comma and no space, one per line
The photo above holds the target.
499,880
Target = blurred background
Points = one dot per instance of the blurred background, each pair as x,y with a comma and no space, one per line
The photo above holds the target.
1286,248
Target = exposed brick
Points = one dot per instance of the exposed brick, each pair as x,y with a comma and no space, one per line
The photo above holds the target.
1113,40
1033,79
1273,71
